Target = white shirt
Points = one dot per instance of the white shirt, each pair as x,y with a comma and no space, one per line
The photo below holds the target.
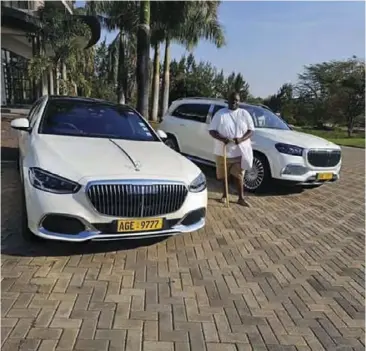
232,124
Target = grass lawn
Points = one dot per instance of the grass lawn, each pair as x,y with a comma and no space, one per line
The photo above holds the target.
339,137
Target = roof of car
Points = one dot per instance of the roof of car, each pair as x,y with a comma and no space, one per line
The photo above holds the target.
210,100
85,99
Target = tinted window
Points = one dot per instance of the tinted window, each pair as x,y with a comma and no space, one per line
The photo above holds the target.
94,119
264,118
193,112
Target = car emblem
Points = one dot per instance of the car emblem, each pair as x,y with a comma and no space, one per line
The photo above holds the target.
137,166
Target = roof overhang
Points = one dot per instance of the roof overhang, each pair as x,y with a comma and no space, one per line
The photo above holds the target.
20,20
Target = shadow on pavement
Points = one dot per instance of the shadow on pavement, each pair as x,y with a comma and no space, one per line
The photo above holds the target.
15,245
9,153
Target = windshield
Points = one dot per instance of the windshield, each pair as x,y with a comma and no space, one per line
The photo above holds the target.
264,118
94,119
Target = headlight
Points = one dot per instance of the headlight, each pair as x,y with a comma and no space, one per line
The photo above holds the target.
289,149
51,183
199,184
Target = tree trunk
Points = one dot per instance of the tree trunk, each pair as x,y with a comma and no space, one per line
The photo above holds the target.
155,84
51,85
64,78
57,78
166,78
143,56
350,129
121,97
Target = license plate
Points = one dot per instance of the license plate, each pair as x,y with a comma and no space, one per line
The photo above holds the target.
324,176
139,225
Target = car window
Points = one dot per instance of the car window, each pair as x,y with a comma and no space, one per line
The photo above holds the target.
94,119
193,112
264,118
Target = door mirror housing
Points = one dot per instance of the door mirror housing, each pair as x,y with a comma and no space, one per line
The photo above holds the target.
21,124
161,134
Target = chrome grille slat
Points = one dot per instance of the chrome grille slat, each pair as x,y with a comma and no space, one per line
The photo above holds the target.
136,200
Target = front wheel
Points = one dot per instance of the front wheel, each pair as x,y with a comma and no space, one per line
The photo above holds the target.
172,143
259,176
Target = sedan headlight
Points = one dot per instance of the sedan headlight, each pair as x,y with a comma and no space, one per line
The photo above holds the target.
51,183
289,149
199,184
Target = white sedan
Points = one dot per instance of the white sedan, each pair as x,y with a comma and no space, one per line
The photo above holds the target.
94,170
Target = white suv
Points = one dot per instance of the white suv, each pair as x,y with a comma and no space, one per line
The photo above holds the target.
279,152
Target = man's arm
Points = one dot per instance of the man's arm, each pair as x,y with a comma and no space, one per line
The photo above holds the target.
246,136
216,135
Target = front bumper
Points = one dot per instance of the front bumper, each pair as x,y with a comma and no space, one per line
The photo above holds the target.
96,226
95,235
297,170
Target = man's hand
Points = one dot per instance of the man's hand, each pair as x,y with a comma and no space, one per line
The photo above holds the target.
227,141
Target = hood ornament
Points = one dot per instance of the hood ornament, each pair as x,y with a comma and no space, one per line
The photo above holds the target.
137,166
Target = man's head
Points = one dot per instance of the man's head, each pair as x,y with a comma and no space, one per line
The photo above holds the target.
233,100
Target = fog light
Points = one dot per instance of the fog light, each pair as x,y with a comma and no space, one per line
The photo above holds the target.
294,170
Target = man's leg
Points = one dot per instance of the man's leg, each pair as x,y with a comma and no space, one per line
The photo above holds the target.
220,175
239,179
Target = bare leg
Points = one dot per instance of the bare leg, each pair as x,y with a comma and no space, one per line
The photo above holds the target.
240,186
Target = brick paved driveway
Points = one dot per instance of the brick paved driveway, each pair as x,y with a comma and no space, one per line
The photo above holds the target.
285,274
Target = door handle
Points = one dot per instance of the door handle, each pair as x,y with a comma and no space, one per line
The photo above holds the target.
182,125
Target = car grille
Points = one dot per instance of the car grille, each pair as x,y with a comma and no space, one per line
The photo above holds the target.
131,200
324,158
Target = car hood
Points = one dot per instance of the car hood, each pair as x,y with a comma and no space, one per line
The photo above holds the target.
81,158
294,138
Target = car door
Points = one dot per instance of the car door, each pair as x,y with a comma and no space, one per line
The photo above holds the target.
193,128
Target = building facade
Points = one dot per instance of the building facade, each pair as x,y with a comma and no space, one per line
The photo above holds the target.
18,19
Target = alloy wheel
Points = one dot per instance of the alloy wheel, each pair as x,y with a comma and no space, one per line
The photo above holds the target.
171,143
255,176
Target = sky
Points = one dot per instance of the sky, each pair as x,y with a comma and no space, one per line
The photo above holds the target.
269,42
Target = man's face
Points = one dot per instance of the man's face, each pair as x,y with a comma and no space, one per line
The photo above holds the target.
234,102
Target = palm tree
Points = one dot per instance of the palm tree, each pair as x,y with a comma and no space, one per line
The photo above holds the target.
122,16
199,20
143,57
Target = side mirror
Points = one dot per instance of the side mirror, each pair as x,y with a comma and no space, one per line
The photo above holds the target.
21,124
161,134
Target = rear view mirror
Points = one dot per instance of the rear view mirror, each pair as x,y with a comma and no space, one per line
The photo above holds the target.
20,124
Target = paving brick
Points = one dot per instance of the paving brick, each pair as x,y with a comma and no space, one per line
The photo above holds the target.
285,274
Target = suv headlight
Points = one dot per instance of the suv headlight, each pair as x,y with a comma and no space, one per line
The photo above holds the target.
289,149
51,183
199,184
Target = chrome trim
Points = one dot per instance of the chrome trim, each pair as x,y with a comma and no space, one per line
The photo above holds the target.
114,183
87,225
98,236
136,164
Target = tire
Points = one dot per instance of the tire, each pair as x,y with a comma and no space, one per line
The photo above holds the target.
259,177
172,143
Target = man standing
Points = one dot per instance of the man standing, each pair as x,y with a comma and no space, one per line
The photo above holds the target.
233,128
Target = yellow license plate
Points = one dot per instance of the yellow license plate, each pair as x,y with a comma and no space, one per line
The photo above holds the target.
139,225
324,176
